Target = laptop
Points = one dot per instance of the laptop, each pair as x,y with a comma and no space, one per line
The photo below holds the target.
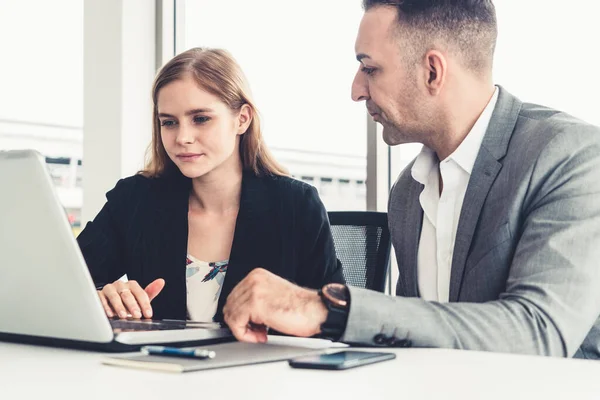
47,295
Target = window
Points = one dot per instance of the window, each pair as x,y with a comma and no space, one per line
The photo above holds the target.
300,69
41,76
546,54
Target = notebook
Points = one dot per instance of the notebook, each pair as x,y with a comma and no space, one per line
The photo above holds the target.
227,355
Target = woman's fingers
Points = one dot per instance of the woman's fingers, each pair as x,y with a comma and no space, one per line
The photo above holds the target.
109,312
111,291
129,298
154,288
142,299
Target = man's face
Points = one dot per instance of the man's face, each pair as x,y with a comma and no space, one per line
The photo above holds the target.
385,81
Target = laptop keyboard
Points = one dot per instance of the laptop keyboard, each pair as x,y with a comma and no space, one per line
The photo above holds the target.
131,325
134,326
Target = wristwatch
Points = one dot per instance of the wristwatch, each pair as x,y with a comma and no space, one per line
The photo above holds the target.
336,298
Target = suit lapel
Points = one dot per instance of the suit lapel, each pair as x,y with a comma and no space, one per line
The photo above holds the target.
170,250
409,240
486,169
250,238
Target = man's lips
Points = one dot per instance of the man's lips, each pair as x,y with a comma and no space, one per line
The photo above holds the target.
372,112
374,115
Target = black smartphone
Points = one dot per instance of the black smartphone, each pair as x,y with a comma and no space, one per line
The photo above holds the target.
340,360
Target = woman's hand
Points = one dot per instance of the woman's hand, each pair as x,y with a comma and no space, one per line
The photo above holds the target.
122,298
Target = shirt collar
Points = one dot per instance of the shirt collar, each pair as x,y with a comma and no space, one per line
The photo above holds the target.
467,151
424,163
465,154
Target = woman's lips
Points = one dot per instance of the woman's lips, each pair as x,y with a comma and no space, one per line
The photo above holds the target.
187,157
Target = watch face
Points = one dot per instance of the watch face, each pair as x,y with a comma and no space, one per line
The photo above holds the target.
336,293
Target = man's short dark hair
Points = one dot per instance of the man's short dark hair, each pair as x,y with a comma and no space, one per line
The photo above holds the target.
467,27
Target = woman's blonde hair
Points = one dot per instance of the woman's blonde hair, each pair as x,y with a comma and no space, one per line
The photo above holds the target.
217,72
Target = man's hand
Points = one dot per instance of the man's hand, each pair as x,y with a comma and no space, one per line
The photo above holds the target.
264,300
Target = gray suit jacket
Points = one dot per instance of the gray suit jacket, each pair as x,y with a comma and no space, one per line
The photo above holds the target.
526,267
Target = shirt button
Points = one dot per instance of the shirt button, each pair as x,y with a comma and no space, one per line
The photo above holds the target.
380,339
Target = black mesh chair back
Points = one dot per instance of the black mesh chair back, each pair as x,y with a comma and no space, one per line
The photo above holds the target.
362,244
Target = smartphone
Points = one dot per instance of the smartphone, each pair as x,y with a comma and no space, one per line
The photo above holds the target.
340,360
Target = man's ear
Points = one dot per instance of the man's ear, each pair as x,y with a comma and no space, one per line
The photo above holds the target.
435,71
244,119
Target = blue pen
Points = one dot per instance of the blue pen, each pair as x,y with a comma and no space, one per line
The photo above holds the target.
177,352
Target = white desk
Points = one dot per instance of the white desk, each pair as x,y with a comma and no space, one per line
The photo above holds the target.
30,372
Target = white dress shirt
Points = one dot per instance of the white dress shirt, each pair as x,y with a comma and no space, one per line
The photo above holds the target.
442,211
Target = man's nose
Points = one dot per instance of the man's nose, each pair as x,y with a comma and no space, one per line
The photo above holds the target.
360,90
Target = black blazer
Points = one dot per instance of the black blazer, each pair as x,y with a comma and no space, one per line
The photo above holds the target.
142,231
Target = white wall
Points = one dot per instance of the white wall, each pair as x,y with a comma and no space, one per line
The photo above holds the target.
119,67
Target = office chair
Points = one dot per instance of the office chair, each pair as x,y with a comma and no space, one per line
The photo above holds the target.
362,243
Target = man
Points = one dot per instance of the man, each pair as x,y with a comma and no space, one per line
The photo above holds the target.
496,224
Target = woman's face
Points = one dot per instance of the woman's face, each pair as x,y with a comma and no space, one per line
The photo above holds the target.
199,132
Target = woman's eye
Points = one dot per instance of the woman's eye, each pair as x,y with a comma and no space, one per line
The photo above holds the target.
167,123
201,120
367,70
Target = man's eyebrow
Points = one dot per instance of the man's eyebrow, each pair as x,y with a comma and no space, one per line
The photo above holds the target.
360,56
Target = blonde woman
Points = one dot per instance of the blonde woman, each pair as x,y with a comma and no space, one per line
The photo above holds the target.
210,206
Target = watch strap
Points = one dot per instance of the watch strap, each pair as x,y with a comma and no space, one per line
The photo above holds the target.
337,318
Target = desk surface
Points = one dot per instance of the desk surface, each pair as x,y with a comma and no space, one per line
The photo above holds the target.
41,372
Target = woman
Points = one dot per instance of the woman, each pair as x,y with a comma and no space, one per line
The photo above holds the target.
211,204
